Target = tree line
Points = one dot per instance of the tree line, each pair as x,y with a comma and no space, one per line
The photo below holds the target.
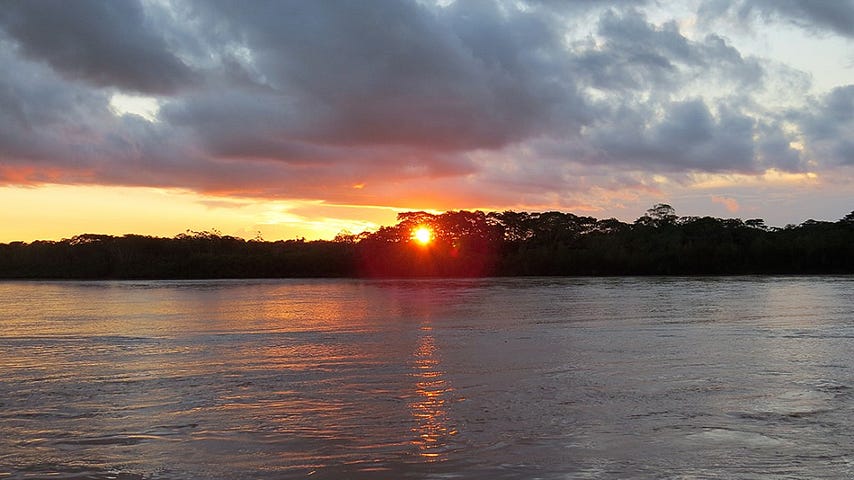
465,243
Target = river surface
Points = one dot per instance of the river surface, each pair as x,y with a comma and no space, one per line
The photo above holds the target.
552,378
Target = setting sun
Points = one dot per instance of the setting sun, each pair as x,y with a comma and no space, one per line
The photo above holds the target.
422,235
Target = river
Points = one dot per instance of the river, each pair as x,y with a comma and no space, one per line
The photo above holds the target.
553,378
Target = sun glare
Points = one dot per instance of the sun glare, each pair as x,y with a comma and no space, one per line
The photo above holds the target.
422,235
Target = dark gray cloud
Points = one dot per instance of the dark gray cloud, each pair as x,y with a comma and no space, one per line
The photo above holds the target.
634,54
641,67
104,43
689,137
774,148
45,120
55,132
828,127
341,100
397,73
836,16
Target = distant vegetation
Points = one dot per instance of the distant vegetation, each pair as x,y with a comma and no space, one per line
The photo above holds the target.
464,244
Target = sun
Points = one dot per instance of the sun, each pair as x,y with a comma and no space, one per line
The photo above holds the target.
422,235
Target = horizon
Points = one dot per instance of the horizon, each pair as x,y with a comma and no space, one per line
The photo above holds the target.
258,237
304,120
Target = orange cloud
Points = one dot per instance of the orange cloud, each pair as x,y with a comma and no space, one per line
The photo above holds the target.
731,204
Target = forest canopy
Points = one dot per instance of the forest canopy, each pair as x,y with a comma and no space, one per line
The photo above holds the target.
460,244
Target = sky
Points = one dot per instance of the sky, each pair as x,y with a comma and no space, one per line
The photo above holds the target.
287,119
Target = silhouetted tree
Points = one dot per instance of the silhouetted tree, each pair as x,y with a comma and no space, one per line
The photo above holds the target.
659,215
465,244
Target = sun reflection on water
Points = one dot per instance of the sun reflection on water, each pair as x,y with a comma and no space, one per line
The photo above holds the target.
429,407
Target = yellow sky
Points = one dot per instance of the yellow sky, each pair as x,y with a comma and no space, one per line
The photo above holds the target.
53,212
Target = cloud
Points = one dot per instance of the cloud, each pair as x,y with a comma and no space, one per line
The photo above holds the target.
836,16
397,73
480,103
828,127
100,42
687,137
731,204
651,115
42,116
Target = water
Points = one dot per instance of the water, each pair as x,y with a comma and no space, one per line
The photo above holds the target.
500,378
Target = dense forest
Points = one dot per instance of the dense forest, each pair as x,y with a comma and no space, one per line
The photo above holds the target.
464,243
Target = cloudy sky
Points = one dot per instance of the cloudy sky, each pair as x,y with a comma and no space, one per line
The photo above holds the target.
304,118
